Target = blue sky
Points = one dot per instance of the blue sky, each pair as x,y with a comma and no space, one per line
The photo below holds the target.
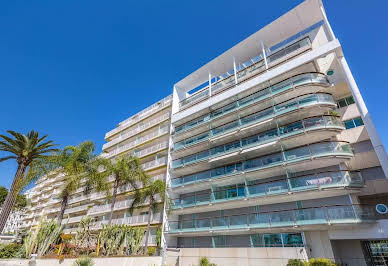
74,69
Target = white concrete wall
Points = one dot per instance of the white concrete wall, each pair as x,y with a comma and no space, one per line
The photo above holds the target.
127,261
318,244
236,256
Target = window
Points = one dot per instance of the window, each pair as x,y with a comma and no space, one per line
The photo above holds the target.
345,101
355,122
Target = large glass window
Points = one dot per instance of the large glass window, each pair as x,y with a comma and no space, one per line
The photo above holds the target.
355,122
345,101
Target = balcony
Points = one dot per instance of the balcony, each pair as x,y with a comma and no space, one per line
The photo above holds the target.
267,164
154,164
141,115
317,216
141,140
76,209
286,86
151,150
248,70
72,220
265,192
133,220
257,120
137,130
332,124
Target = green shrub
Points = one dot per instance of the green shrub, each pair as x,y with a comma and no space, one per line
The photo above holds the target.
320,262
8,251
83,261
295,262
205,262
151,251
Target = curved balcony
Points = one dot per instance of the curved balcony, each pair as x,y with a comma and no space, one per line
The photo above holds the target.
316,216
245,124
269,165
252,68
297,82
324,184
256,143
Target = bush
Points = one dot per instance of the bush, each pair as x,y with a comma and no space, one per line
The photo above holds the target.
205,262
151,251
8,251
320,262
295,262
83,261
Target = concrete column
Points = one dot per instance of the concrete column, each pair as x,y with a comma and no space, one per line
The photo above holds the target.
374,137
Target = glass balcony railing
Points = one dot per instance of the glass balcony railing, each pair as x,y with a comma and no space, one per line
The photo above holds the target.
305,125
286,107
324,215
307,152
267,93
258,188
247,70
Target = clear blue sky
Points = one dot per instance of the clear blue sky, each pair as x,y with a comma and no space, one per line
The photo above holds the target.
74,69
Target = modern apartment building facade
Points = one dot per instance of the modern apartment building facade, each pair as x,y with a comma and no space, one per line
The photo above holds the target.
273,154
268,151
145,135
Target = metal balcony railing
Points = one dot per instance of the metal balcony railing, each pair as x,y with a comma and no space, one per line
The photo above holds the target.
324,215
307,152
305,125
141,140
137,130
141,115
258,188
247,70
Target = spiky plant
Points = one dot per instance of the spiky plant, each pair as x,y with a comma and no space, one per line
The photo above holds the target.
83,261
148,195
25,149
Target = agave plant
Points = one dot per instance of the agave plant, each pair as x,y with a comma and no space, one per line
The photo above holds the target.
39,240
83,261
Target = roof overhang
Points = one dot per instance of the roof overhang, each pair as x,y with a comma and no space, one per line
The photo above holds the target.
299,18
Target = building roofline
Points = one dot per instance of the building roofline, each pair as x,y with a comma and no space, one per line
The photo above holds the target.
282,28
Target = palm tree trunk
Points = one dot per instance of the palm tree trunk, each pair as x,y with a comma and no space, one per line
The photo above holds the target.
112,206
63,207
11,197
148,229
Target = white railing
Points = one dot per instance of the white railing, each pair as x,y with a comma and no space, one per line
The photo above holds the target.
136,130
134,220
52,210
153,164
151,150
76,209
141,140
141,115
72,219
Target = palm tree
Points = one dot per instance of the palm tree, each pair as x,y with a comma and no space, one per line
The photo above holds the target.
125,170
73,162
25,149
149,192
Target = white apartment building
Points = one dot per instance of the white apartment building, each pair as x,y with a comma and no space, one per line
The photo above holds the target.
145,135
274,154
271,155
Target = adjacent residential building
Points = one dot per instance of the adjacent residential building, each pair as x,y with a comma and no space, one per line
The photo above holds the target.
274,154
268,151
145,135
